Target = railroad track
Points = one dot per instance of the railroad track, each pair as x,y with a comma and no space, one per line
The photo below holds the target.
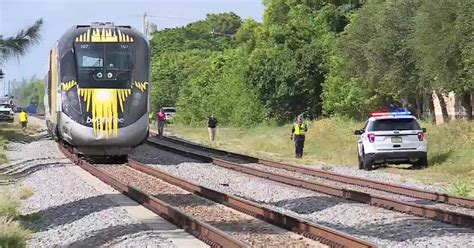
427,204
148,186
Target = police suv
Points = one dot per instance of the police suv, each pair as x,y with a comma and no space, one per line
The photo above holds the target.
391,137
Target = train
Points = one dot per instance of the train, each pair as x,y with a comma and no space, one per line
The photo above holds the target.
97,89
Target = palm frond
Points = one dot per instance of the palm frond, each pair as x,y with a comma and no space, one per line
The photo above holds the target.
17,45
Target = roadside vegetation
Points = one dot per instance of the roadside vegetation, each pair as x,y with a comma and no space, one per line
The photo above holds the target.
334,61
320,58
332,142
12,234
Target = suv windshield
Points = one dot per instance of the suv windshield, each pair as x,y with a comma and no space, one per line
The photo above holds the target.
169,110
5,106
394,124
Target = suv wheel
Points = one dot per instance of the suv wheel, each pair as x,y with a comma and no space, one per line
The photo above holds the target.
421,163
360,161
367,164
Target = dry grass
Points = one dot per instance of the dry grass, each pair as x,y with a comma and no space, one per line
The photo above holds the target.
331,141
25,193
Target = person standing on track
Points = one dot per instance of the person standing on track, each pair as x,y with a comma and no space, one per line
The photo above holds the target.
298,133
23,120
212,127
161,117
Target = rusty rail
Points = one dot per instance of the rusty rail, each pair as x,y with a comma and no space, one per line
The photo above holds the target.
388,187
314,231
354,195
207,233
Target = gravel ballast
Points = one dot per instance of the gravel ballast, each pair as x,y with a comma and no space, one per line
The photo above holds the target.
65,210
383,227
376,175
371,191
243,227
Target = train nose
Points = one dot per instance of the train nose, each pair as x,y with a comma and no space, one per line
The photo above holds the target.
80,135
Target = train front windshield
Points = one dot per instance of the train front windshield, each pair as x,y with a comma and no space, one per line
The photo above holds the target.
104,65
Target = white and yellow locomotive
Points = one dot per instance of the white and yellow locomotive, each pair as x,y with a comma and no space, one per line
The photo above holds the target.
97,89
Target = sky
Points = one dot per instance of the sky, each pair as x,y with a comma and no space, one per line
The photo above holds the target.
58,16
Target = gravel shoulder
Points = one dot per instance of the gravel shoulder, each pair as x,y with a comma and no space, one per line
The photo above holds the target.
383,227
67,209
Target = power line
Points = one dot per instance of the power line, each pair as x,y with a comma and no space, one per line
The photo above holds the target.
173,17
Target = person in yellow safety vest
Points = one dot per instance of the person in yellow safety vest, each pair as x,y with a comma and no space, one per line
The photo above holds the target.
298,133
150,117
23,120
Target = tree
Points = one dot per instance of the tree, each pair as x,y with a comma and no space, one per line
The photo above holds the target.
376,50
29,91
444,44
18,44
171,71
288,65
198,35
221,89
247,35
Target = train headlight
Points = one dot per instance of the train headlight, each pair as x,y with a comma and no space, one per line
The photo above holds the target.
109,75
99,74
104,95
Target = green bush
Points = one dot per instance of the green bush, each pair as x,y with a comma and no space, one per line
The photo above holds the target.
221,90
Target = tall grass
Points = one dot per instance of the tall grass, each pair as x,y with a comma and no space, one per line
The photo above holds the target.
12,235
8,206
331,141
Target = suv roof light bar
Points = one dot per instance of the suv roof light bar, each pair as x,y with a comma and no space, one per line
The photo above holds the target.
378,114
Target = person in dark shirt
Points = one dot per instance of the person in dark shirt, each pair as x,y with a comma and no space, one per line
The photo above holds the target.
212,127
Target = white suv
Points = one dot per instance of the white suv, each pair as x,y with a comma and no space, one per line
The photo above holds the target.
170,113
391,137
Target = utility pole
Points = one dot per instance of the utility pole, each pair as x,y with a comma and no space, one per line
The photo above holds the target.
145,26
2,75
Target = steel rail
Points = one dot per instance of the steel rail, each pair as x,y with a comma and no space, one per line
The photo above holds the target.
359,181
203,231
354,195
314,231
